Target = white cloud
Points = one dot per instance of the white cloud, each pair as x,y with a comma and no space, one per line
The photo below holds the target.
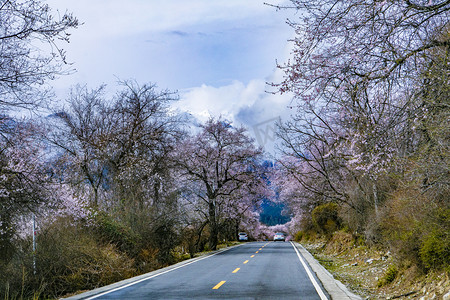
248,105
117,17
175,43
226,101
219,53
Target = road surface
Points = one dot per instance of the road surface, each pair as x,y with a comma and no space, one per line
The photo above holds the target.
257,270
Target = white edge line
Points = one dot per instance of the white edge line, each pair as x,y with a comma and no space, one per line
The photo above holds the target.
153,276
310,275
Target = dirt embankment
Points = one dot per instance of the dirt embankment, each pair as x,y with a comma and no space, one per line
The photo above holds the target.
375,274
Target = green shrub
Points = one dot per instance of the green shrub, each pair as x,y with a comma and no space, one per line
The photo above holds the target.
298,236
69,259
435,251
417,229
113,231
310,236
435,247
326,218
165,239
389,276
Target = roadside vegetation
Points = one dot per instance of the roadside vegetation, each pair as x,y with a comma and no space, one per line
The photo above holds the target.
105,185
121,189
116,184
366,152
374,272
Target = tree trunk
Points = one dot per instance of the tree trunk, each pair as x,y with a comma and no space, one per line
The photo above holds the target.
375,199
236,228
214,230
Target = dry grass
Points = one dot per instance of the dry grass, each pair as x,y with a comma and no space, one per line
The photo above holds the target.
362,269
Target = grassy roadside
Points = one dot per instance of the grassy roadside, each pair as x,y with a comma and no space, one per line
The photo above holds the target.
179,257
374,273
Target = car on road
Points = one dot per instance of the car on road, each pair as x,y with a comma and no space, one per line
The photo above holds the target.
242,236
279,236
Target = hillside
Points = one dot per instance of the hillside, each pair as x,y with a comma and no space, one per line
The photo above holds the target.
374,273
273,213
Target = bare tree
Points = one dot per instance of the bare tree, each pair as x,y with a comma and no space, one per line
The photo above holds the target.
30,53
80,133
120,145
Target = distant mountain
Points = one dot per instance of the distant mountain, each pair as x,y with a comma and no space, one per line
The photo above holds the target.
272,213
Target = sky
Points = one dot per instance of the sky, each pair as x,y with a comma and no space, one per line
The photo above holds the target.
218,55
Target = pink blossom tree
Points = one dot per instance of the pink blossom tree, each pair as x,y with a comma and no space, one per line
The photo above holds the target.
353,72
357,74
31,37
25,185
221,167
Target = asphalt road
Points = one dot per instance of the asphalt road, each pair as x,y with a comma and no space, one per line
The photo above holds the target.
258,270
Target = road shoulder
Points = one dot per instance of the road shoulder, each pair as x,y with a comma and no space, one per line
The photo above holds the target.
127,282
334,287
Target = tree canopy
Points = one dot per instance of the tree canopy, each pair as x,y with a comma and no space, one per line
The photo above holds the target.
30,51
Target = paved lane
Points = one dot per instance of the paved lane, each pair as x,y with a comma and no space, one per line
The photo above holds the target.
259,270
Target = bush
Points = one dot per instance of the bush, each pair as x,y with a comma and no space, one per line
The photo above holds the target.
298,236
417,229
69,258
326,218
389,276
435,252
16,273
340,242
114,232
165,238
435,248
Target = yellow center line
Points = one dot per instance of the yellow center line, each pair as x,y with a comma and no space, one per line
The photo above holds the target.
237,269
217,286
260,249
245,261
256,251
253,255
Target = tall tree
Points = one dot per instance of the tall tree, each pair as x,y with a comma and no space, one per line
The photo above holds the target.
121,145
30,52
357,77
221,165
30,56
80,133
354,70
119,148
24,183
